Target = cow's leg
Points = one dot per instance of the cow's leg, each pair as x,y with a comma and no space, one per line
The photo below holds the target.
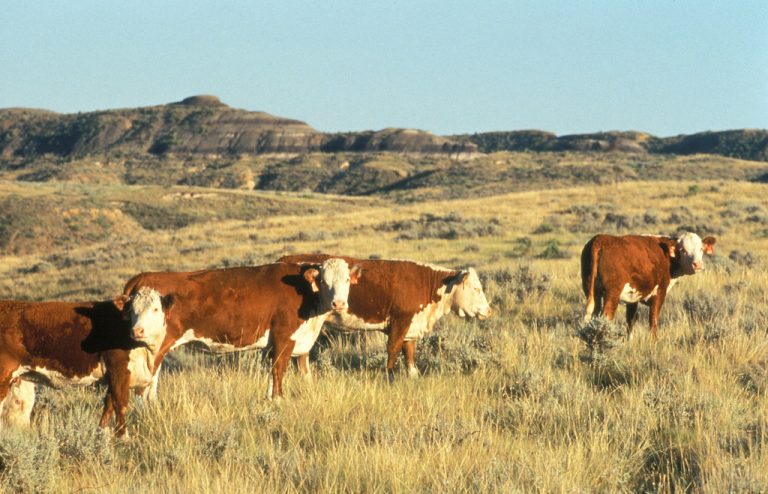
303,363
611,304
106,413
281,358
7,368
119,389
631,316
16,408
589,309
599,296
409,352
655,309
397,331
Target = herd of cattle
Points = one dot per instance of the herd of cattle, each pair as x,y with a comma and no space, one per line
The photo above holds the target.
281,307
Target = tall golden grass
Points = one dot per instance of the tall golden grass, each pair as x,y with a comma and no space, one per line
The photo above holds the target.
511,404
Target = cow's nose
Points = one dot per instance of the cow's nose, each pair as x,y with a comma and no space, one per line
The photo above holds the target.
698,266
486,313
138,333
339,305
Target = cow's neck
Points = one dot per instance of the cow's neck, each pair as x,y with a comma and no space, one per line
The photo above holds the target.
442,306
675,269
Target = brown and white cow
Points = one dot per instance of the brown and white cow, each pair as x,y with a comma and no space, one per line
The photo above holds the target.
57,343
405,299
278,306
637,269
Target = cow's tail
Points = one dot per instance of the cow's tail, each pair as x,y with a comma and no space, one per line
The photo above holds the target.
589,258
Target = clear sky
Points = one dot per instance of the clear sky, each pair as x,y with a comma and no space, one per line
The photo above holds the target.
662,66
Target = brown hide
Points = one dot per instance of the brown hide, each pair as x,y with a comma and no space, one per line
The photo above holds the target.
608,263
68,338
391,290
236,306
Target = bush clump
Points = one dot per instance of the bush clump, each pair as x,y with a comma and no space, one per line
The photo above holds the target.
449,227
28,463
599,334
523,282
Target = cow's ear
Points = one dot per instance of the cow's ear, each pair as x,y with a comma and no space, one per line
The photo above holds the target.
167,301
354,274
672,248
709,245
310,275
461,277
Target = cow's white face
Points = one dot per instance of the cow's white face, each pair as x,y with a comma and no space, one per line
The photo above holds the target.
468,298
691,249
146,309
332,279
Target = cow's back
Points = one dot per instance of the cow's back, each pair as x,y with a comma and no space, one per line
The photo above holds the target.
65,337
387,287
642,260
231,304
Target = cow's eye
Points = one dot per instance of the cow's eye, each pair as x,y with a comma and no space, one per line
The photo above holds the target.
155,309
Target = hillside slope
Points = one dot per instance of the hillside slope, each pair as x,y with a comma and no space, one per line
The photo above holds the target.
203,125
198,125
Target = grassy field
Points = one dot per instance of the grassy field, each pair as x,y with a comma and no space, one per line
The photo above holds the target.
516,403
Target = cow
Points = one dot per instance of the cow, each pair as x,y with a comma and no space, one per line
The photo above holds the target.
278,306
405,299
636,269
57,343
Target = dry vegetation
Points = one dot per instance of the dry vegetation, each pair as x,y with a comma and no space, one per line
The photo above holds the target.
516,403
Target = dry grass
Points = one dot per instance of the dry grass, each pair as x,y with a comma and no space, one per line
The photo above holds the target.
511,404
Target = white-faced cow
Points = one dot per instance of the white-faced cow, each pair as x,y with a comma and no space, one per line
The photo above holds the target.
637,269
405,299
58,343
279,306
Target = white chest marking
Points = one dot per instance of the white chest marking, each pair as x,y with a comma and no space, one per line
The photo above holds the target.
424,321
141,366
306,335
671,284
630,295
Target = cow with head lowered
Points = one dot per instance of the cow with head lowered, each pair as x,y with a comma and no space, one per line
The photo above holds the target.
635,269
278,306
58,343
405,299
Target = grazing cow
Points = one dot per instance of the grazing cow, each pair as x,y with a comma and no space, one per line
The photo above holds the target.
279,306
57,343
405,299
637,269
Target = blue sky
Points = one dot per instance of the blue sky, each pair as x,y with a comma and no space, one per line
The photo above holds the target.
664,67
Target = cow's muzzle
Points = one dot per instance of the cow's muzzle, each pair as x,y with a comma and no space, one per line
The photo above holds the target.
138,333
485,314
698,266
339,305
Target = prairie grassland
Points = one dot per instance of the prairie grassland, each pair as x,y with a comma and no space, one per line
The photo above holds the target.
515,403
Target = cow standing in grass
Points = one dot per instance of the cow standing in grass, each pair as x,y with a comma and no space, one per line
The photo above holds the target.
405,299
57,343
278,306
637,269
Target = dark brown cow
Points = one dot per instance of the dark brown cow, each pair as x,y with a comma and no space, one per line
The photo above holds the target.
70,343
280,306
405,299
637,269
